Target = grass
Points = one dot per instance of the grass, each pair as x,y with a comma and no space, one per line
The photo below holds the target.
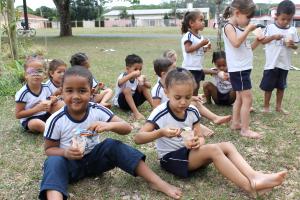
22,153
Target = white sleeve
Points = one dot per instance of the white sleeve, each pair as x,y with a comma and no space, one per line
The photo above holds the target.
21,96
104,114
52,128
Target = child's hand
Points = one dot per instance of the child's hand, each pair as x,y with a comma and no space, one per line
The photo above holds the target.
73,153
44,105
136,73
277,37
289,43
251,27
100,127
101,85
204,42
170,132
195,143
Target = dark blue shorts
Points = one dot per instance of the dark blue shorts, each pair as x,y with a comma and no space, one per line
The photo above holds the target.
59,171
274,78
43,117
224,99
176,162
240,80
138,99
198,75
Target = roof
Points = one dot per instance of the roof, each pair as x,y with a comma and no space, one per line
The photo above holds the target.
150,11
33,17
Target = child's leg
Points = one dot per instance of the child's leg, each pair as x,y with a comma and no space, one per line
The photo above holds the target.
267,98
196,90
146,92
210,91
156,182
107,94
54,195
236,112
36,125
232,97
129,99
279,97
205,131
246,98
205,112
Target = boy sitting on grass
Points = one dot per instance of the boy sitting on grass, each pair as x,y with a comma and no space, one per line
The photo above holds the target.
132,88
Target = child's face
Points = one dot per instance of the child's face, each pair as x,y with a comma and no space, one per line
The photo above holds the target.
34,73
76,94
198,24
134,67
180,96
242,19
283,20
221,64
58,74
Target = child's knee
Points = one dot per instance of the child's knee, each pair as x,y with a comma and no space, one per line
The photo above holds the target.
36,125
126,91
214,150
55,162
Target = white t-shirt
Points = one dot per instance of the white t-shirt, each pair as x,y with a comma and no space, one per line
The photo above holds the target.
277,54
25,95
51,86
95,82
158,92
223,86
193,60
238,59
163,117
128,84
61,126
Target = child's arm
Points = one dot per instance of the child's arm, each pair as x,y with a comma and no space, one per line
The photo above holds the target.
156,102
148,133
189,48
20,111
271,38
255,43
291,44
124,79
116,125
147,83
210,71
198,134
235,40
52,149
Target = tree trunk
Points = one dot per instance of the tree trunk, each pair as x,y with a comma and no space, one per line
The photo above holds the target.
219,22
63,7
11,18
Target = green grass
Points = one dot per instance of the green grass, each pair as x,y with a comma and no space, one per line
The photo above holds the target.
22,153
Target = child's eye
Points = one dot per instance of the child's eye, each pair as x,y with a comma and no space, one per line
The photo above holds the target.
68,90
177,97
188,97
82,91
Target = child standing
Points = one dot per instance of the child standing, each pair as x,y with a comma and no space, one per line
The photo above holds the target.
105,93
280,39
239,58
180,152
221,89
68,163
132,88
33,106
193,45
56,72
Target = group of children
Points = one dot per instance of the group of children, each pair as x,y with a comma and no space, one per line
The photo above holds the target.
73,100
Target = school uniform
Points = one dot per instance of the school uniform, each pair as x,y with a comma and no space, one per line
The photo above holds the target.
51,86
239,61
193,61
119,98
158,92
25,95
172,152
278,58
224,88
99,156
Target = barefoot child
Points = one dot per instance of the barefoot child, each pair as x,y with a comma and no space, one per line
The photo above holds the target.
280,39
181,152
132,88
221,89
105,93
33,104
67,163
239,58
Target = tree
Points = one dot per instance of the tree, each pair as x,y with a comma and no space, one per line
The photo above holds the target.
218,18
123,14
63,7
46,12
11,19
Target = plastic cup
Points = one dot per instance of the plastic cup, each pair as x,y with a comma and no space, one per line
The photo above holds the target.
79,142
187,135
258,33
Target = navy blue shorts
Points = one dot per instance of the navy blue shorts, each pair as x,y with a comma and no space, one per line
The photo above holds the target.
59,171
176,162
138,99
224,99
43,117
240,80
274,78
198,75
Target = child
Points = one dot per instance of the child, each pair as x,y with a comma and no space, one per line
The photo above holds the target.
193,45
180,152
161,67
56,71
69,163
280,39
239,58
132,88
32,105
106,93
221,89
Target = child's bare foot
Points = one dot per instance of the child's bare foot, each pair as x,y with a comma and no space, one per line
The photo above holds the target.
222,119
170,190
235,126
266,110
281,110
206,132
138,116
250,134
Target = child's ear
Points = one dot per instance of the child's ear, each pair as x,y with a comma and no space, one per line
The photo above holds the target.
166,92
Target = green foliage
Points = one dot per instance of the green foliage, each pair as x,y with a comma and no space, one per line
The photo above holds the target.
124,14
49,13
